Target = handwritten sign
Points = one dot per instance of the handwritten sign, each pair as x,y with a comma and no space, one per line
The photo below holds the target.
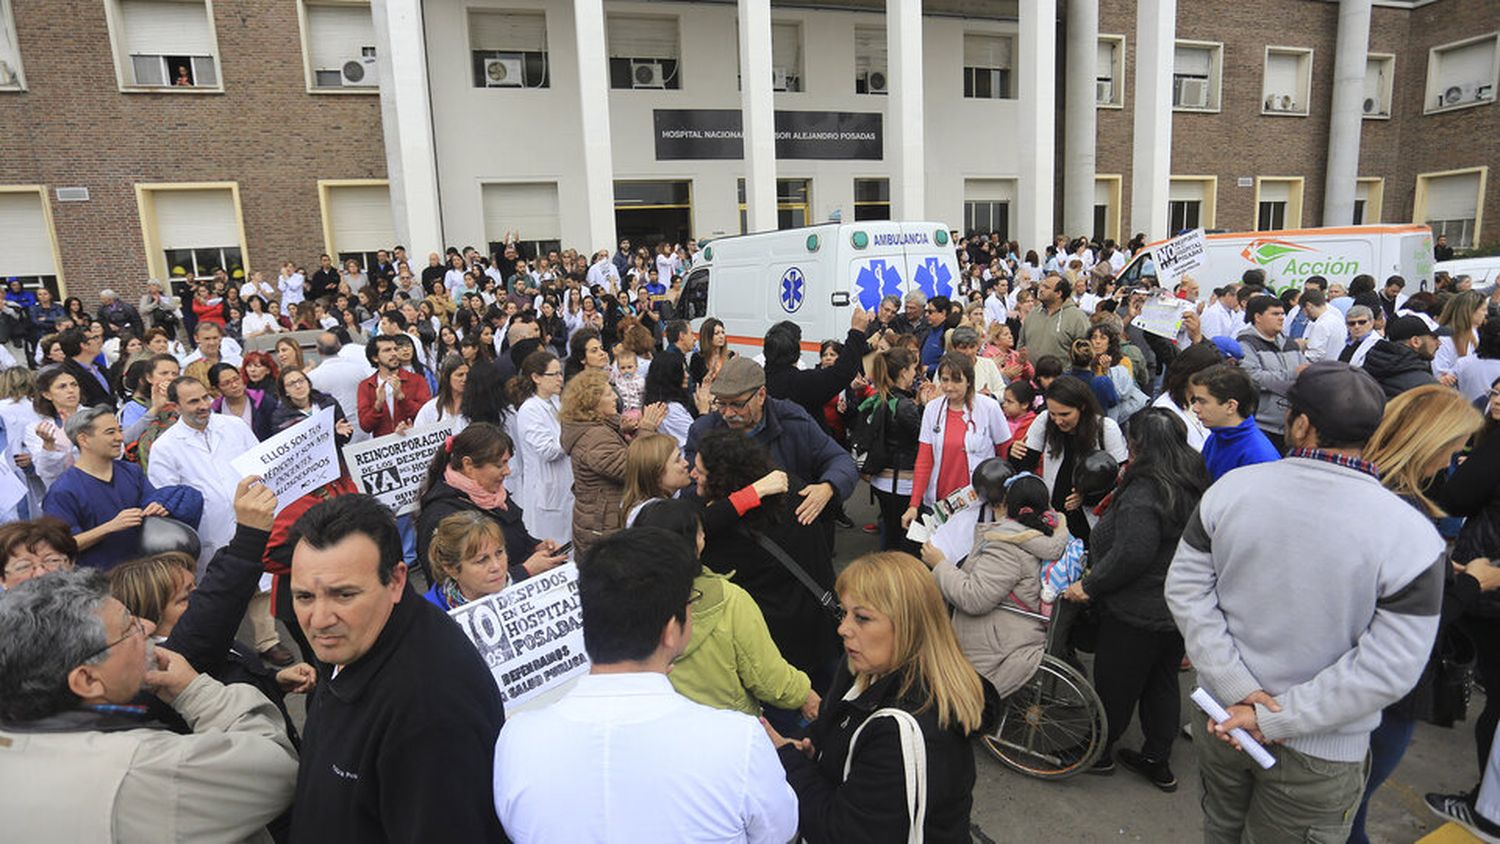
295,461
1179,256
530,635
392,467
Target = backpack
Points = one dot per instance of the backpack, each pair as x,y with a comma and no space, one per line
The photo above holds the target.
868,436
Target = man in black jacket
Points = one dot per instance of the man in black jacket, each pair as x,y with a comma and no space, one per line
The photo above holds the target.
80,350
812,388
1404,359
403,722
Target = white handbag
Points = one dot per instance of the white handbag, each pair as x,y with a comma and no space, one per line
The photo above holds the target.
914,754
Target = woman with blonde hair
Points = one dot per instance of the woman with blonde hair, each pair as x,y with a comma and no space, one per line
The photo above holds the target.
593,436
1420,432
467,558
897,718
1462,318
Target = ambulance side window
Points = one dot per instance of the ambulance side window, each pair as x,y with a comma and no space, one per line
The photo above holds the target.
694,303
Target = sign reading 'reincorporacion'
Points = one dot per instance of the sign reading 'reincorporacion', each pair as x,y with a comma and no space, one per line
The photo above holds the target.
530,635
704,133
391,467
295,461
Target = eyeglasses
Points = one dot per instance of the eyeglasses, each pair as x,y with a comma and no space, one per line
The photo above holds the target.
135,627
555,374
51,563
736,406
1353,322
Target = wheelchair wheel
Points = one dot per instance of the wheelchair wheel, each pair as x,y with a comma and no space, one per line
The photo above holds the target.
1051,728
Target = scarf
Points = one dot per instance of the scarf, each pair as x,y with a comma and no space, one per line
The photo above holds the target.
475,493
452,595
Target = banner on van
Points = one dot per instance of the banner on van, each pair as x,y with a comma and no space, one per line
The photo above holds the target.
1180,256
718,133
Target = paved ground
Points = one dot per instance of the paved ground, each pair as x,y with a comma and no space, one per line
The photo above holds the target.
1123,807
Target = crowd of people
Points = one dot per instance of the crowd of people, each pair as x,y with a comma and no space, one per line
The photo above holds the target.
701,491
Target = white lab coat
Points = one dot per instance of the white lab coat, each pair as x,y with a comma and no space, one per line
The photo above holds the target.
549,471
988,430
201,459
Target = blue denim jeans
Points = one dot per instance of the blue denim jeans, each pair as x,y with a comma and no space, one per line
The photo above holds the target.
1387,745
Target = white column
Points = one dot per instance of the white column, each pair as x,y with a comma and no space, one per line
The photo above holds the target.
593,99
1346,117
406,124
758,105
1037,45
1151,160
903,35
1079,116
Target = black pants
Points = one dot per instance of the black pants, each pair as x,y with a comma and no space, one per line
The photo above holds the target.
1135,667
892,535
1485,631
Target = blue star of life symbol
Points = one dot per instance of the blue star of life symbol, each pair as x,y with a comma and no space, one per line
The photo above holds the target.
934,278
793,287
875,280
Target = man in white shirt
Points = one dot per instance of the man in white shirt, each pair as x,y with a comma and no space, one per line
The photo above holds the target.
1222,317
674,770
1326,333
338,374
603,273
196,451
258,286
291,283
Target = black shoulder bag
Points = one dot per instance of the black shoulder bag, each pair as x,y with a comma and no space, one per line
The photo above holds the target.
825,597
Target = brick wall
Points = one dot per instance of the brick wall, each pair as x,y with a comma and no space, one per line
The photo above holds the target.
1238,141
74,127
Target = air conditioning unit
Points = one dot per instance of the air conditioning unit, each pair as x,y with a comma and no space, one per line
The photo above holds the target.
1467,92
358,72
778,79
504,72
876,82
1104,91
1280,102
1192,92
1372,106
647,74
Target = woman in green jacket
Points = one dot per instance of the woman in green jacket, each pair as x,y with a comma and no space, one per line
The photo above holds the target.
730,661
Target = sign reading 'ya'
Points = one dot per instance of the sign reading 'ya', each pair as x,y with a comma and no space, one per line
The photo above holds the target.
391,467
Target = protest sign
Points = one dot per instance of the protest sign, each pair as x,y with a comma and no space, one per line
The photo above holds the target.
1179,256
295,461
530,635
1162,316
391,467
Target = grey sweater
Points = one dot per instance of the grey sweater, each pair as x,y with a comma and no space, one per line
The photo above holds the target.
1332,613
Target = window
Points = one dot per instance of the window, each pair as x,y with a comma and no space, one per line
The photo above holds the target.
1463,74
987,204
191,230
165,44
872,199
528,211
1278,203
1109,76
643,52
1191,202
1369,195
1196,71
871,67
1285,89
649,213
29,247
1107,202
988,66
356,218
339,47
793,204
786,56
1379,71
11,76
508,49
1450,203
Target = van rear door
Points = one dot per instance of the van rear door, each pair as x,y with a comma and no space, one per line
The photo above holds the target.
930,267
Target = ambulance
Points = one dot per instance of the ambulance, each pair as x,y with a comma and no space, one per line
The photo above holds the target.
814,276
1289,257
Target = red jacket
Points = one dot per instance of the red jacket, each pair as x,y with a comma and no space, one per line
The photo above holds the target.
376,417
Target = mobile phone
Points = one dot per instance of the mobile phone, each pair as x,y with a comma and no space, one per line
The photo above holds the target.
563,550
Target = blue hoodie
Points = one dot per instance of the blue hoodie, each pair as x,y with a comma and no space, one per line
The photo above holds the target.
1241,445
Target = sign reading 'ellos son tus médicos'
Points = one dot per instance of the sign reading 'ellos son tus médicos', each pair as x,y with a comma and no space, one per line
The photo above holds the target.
698,134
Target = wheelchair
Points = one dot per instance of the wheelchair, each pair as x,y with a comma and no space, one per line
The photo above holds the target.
1054,726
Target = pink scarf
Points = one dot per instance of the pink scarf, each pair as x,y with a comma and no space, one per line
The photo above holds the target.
486,500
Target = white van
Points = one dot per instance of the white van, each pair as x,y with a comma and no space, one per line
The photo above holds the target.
1484,272
1289,257
812,276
